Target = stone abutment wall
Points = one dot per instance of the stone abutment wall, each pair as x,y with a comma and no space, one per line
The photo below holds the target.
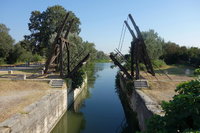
43,115
139,102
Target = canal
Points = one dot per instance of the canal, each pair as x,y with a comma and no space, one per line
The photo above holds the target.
98,109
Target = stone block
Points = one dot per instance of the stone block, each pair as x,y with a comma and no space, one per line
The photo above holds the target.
10,72
41,72
5,130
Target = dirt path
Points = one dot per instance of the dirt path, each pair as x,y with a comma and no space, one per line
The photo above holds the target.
163,88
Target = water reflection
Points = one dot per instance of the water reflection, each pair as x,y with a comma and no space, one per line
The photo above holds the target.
98,109
130,123
73,121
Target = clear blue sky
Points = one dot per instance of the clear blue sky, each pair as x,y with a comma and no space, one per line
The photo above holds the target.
174,20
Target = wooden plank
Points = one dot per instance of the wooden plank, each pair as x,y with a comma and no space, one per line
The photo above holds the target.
120,66
51,57
141,84
79,65
143,51
68,30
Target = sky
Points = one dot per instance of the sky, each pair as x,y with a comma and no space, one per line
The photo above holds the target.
102,20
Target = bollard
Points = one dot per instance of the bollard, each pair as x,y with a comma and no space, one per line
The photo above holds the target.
10,72
24,77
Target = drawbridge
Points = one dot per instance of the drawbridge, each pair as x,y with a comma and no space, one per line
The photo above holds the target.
138,54
59,57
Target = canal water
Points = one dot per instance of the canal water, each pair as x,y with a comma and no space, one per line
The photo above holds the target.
98,109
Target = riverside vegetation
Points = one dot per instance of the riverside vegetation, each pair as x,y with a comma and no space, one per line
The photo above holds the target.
181,113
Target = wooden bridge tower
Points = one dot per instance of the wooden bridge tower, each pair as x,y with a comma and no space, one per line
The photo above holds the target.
61,47
138,53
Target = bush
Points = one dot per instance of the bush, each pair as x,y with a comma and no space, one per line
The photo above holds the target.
182,113
158,63
77,78
2,61
36,58
191,131
197,71
25,57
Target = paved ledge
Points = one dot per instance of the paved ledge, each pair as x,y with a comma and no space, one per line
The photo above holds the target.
43,115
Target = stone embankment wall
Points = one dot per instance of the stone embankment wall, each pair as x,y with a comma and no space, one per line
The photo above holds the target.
140,103
43,115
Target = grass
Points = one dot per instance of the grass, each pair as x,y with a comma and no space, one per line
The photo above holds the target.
161,90
15,95
7,86
20,72
161,87
21,63
177,70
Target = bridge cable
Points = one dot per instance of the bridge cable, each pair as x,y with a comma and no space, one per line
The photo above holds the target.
120,40
124,33
123,39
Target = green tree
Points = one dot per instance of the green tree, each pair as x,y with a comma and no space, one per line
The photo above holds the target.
19,54
102,56
197,72
171,51
44,26
6,42
194,56
90,48
28,45
154,44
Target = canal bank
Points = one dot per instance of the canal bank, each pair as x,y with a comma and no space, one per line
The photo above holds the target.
138,102
99,110
42,115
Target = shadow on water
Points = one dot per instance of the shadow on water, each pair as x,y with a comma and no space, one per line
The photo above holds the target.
73,120
98,108
130,123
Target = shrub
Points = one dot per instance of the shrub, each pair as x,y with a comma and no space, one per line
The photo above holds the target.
197,71
2,61
182,113
77,78
158,63
36,58
25,57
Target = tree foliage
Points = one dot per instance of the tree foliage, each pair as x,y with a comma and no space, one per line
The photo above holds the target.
6,42
154,44
175,54
182,113
44,26
161,52
197,72
20,54
101,56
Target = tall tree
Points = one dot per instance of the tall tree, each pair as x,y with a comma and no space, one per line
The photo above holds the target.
154,44
171,53
44,26
194,56
6,42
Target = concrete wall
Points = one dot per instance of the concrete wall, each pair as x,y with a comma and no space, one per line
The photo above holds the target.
43,115
38,117
139,103
73,94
